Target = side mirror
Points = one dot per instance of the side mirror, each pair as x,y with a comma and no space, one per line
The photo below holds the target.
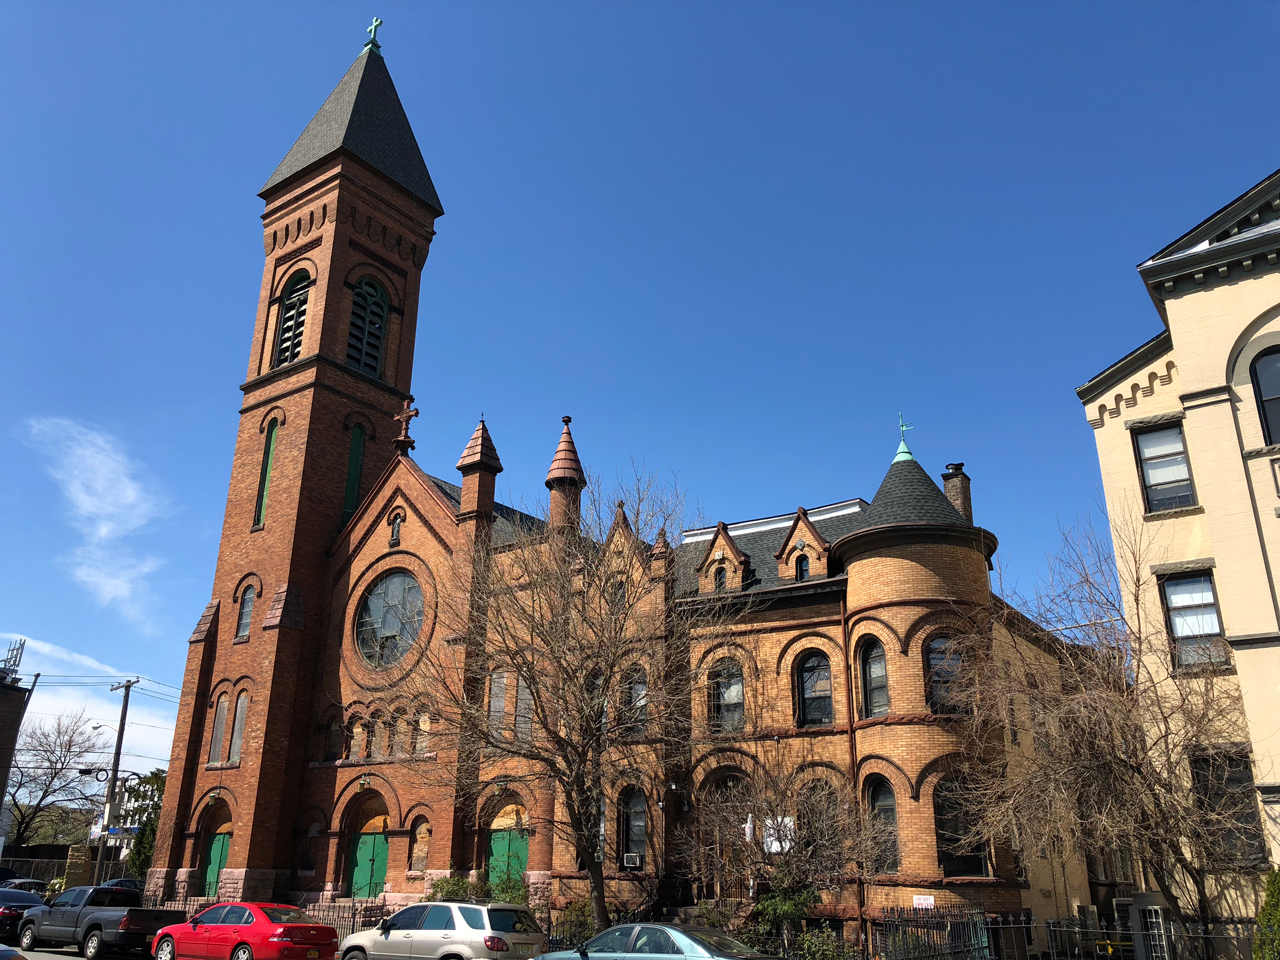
385,924
195,922
582,950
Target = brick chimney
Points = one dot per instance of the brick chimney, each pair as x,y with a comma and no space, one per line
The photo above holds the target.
565,480
955,484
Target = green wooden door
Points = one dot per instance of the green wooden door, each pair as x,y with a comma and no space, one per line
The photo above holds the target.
368,864
215,860
508,854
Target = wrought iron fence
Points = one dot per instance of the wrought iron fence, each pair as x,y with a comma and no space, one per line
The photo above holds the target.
345,916
47,870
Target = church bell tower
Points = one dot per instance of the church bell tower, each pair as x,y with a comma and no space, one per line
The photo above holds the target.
349,219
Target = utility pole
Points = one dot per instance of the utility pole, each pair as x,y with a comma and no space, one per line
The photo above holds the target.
111,784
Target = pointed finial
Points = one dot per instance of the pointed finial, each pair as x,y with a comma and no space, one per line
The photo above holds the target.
404,443
565,465
904,452
372,31
903,427
566,420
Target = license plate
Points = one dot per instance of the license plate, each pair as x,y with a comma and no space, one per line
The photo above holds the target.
313,954
524,949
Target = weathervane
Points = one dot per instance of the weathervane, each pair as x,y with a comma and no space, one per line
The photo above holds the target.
372,31
903,427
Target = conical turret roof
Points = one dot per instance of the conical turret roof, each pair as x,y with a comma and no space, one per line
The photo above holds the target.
908,495
565,465
480,452
363,116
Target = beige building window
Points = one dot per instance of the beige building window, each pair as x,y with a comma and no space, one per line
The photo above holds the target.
1266,381
1194,624
1166,476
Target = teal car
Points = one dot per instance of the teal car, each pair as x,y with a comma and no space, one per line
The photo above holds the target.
658,941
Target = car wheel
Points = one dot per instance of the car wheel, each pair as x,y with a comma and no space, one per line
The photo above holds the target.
164,949
28,939
92,945
356,954
242,953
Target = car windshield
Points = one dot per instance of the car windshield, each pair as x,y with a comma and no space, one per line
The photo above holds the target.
286,915
513,921
718,943
18,896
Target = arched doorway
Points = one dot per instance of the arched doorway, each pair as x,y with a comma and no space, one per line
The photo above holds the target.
367,864
724,813
216,846
508,844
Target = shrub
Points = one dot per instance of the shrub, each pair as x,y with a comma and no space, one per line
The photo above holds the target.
510,889
452,888
1266,945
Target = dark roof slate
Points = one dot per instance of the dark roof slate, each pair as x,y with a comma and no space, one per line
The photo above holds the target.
507,521
908,495
363,115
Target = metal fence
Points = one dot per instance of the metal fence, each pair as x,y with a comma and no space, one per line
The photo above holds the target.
345,916
47,870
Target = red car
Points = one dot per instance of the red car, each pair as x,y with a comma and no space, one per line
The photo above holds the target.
247,931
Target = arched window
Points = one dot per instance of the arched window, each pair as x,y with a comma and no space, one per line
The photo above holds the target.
726,698
802,568
368,326
355,461
524,710
378,732
721,579
813,681
883,807
959,854
875,680
357,738
942,676
635,701
237,727
334,740
245,620
632,827
817,823
264,476
219,727
419,844
1266,384
293,315
497,702
421,734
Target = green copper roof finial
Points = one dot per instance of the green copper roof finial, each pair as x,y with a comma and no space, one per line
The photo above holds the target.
904,452
372,31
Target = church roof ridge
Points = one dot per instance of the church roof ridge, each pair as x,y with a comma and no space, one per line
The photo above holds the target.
363,116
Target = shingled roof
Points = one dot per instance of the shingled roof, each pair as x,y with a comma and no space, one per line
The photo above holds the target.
363,116
908,495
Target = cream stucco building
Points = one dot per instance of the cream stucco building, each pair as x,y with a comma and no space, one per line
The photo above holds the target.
1188,435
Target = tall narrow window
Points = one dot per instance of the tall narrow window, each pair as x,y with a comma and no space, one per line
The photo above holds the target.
635,702
813,674
1166,477
334,738
264,478
725,713
368,327
1193,620
632,827
721,579
942,677
875,680
293,315
219,728
1223,787
355,460
524,710
959,854
802,568
237,727
1266,384
883,808
245,620
497,702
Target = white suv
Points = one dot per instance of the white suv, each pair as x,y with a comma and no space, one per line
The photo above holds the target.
450,931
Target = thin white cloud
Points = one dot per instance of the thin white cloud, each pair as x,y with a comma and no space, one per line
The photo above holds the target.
52,651
109,498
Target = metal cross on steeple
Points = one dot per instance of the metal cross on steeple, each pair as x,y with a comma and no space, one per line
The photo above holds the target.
372,31
903,428
404,443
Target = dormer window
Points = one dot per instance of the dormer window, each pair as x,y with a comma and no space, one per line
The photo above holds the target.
802,568
721,578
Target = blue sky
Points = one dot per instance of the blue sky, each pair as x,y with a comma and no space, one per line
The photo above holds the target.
732,239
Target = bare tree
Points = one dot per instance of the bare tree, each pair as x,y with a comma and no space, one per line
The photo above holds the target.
572,675
1104,734
49,797
793,833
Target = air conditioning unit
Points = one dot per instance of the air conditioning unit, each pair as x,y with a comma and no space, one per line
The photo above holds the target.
631,859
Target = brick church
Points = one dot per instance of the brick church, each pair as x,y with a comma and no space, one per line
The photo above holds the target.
286,775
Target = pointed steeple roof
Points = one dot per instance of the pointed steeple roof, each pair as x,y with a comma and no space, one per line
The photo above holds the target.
480,453
565,465
364,117
908,495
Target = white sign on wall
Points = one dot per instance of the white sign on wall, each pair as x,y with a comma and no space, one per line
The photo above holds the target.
925,902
